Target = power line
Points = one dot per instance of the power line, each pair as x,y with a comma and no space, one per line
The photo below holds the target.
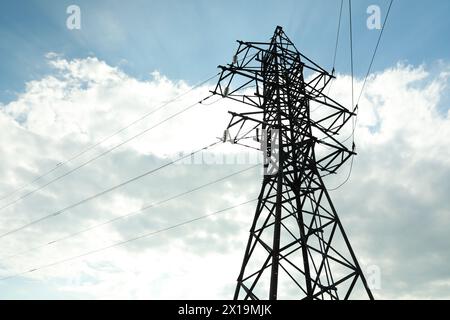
346,179
120,243
141,210
79,154
369,69
367,74
337,37
352,75
375,51
335,53
102,154
351,46
352,135
51,215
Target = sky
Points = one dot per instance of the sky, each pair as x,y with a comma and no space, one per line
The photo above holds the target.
63,90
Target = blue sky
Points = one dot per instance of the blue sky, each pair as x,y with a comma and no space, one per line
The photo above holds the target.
188,39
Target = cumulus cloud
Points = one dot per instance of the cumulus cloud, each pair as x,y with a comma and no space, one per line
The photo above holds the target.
394,208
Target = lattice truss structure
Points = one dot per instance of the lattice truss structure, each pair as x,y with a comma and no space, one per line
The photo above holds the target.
297,246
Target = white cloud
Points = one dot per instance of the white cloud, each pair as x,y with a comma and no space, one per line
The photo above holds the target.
395,207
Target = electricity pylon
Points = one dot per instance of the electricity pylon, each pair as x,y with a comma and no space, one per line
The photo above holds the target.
297,246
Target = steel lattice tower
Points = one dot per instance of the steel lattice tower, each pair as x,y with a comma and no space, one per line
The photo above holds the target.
297,242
